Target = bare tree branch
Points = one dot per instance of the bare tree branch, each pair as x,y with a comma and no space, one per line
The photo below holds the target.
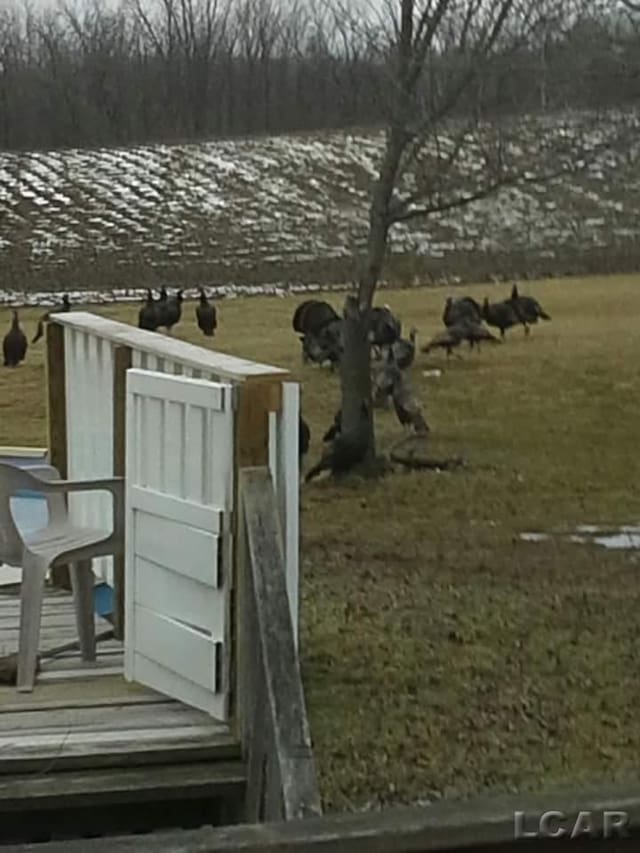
464,199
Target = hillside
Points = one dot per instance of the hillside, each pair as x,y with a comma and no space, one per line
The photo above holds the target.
294,208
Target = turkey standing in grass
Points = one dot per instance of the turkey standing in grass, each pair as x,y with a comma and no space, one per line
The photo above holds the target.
527,309
347,449
447,340
312,316
161,306
66,306
502,315
298,315
384,327
476,333
464,308
383,379
14,345
404,351
206,316
319,327
324,345
407,407
147,316
172,311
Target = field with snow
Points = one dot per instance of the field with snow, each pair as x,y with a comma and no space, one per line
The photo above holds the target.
293,209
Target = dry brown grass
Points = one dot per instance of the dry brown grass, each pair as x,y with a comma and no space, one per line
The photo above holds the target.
442,655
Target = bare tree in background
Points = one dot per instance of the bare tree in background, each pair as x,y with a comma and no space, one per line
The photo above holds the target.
444,148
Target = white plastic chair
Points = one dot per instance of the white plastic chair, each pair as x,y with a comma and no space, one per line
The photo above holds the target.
59,543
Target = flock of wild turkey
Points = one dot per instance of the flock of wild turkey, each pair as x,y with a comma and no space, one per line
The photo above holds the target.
321,333
320,330
166,311
155,314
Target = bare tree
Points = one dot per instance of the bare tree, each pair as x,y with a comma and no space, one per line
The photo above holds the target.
441,57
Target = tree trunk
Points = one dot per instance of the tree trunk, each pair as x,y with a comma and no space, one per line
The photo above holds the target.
355,372
356,358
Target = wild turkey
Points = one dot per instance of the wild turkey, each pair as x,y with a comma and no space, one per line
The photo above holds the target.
63,308
172,311
304,437
348,448
299,315
527,309
147,316
475,333
311,317
448,340
324,345
383,380
384,327
407,407
502,315
161,306
206,316
464,308
14,345
404,351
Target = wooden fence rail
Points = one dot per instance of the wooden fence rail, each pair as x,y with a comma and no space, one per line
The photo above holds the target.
481,826
275,732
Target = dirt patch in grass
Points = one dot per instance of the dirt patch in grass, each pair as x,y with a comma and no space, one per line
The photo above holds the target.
442,655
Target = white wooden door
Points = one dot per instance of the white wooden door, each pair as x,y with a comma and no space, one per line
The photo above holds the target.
178,543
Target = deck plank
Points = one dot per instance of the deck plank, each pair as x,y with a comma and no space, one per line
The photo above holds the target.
121,785
70,663
58,625
93,691
80,673
86,716
55,754
123,716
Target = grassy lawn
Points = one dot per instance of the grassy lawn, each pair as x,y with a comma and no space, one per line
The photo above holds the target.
442,655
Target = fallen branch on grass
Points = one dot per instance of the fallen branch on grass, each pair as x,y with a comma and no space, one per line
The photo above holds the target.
412,452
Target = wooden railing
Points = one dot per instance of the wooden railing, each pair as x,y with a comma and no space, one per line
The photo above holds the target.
274,729
476,826
87,360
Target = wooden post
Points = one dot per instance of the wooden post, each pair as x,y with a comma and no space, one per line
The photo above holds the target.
121,363
55,375
256,398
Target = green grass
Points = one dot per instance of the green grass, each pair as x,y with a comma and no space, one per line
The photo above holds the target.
443,656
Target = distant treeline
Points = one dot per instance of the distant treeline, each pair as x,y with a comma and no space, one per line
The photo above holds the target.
164,70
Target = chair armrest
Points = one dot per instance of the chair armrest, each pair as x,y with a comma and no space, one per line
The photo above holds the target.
115,485
44,472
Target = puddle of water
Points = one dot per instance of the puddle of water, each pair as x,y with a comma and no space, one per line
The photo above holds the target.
626,537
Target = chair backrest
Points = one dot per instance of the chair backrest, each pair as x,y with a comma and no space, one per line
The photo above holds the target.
12,481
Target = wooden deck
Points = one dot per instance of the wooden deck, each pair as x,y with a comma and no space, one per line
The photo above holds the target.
88,741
